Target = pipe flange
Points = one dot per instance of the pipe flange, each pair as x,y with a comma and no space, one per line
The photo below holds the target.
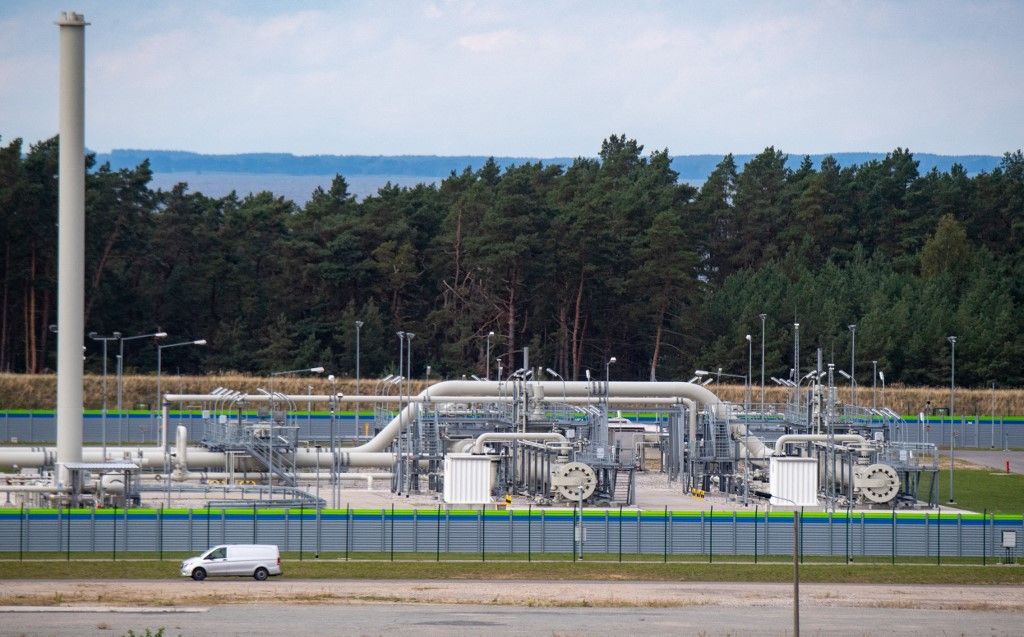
581,475
889,479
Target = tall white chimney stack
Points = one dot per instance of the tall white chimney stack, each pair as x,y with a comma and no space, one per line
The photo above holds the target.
71,242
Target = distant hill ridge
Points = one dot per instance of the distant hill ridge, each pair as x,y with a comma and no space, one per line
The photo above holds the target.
689,167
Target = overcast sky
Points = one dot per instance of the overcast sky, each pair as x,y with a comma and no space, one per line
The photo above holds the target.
526,78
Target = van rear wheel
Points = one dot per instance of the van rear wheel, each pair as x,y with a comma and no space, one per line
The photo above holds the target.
261,574
199,574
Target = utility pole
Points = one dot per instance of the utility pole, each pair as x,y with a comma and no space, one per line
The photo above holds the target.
762,316
796,351
874,379
853,363
359,325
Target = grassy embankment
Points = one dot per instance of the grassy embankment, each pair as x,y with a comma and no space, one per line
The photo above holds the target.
979,490
873,573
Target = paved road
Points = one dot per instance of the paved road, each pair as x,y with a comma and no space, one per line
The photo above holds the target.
428,620
449,607
994,459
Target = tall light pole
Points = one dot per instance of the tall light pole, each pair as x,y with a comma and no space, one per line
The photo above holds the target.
397,479
750,371
359,325
159,361
952,402
488,372
120,372
103,414
952,375
853,361
408,367
796,351
611,361
874,383
159,410
762,316
992,442
559,377
334,449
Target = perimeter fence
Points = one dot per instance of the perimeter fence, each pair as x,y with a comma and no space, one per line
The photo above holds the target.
483,534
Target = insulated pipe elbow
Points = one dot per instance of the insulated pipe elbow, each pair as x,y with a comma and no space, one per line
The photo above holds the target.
753,447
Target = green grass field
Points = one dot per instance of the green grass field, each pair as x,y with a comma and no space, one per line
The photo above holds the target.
874,573
980,489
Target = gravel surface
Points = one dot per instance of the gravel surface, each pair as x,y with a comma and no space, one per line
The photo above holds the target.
507,593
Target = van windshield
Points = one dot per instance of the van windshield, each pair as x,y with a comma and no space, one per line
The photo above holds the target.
217,554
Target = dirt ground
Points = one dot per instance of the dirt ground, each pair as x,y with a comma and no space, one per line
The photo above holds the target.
564,594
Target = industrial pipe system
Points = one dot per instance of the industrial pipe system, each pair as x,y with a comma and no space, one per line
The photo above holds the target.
372,453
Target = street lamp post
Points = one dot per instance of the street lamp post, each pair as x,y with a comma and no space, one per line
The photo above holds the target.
559,377
749,398
853,361
874,379
359,325
334,448
796,351
120,373
159,361
720,373
762,316
992,442
164,443
410,447
397,479
952,374
952,402
611,361
103,414
488,371
750,372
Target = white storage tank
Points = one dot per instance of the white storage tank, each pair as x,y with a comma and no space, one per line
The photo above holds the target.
467,479
793,481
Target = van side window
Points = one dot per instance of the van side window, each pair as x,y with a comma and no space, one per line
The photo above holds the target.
219,554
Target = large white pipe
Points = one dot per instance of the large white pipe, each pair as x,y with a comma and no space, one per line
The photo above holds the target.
469,388
753,447
372,453
70,242
262,475
30,488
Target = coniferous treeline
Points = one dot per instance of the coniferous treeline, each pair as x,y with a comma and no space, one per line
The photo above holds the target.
606,257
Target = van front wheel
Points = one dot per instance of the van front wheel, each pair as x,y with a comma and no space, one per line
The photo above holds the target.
261,574
199,574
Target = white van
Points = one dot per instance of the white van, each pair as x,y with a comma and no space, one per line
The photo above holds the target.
244,560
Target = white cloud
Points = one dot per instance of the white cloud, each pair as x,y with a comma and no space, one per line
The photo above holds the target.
495,41
527,78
